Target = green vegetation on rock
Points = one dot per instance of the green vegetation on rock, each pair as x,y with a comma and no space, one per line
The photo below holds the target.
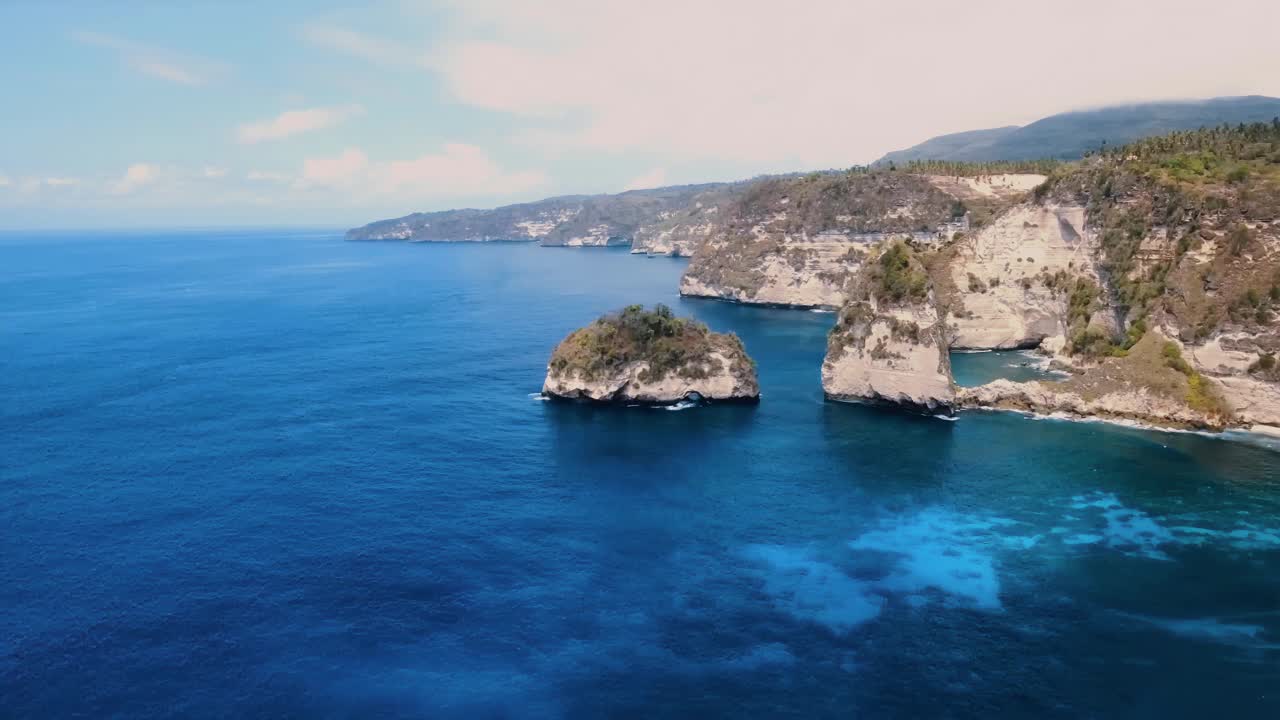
897,276
1156,366
1187,224
669,344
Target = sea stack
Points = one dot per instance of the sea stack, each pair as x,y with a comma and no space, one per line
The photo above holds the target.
889,345
650,357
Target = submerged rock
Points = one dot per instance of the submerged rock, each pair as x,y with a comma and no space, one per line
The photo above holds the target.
650,357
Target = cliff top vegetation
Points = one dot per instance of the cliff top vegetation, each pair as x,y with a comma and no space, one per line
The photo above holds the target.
669,344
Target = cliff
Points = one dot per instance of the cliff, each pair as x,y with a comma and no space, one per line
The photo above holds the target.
1012,282
574,220
682,231
650,357
1151,384
889,345
1188,244
797,241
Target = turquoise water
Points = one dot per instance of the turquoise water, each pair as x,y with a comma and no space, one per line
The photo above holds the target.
977,368
276,474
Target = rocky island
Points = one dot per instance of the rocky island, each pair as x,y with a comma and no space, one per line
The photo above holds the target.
650,357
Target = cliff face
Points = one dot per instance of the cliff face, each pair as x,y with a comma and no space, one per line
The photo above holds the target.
575,220
889,345
1188,244
636,356
680,232
1012,279
798,241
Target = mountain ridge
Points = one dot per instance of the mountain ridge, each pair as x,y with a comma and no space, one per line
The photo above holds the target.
1070,135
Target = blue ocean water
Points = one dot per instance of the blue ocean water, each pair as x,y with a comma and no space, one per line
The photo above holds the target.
276,474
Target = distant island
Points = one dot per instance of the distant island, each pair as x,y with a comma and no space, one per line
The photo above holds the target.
650,357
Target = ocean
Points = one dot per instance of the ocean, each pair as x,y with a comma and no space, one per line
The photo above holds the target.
276,474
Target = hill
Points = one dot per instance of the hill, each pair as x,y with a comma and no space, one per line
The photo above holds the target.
1070,135
586,220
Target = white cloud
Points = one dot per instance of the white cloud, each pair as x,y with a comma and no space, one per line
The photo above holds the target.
5,181
652,179
266,176
377,50
294,122
336,171
831,82
213,172
154,61
56,182
457,170
135,176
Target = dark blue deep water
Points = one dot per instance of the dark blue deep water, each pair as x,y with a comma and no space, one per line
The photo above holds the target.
276,474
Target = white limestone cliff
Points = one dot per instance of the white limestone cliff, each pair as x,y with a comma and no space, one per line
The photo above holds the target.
890,355
626,385
999,272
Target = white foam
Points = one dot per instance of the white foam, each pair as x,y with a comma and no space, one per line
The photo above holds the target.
824,311
1251,437
682,405
1122,422
538,397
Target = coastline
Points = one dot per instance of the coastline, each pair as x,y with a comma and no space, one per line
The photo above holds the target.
1270,435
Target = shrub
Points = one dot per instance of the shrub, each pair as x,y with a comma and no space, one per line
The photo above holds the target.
900,278
1238,239
668,343
1172,355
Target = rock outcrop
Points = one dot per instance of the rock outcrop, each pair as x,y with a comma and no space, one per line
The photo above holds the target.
650,357
889,345
681,232
1138,405
798,241
1013,278
1151,384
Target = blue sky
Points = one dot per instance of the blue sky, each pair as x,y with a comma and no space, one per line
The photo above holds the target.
315,113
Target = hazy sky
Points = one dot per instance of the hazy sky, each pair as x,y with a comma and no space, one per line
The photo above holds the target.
318,113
